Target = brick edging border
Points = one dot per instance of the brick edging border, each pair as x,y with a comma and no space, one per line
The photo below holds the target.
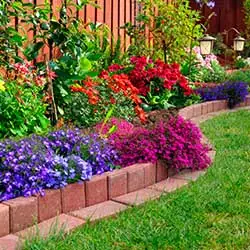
20,213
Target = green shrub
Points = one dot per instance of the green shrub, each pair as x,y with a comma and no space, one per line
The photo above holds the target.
22,111
79,111
216,74
239,76
171,28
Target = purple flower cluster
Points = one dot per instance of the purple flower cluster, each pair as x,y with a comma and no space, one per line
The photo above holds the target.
183,147
30,165
138,146
177,141
233,92
210,3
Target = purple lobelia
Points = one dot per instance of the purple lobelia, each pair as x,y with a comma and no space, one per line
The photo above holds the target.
30,165
233,92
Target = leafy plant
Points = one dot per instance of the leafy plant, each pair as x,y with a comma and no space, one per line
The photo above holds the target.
239,76
241,63
22,110
11,40
215,74
160,85
31,165
177,141
171,29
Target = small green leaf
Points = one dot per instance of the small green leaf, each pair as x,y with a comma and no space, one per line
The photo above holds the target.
84,64
60,110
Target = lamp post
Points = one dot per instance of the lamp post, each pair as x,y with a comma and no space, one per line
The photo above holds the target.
238,43
206,45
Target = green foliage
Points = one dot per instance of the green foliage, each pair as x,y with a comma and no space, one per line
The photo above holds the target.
78,110
239,76
216,74
241,63
22,111
247,17
220,47
10,39
190,69
172,27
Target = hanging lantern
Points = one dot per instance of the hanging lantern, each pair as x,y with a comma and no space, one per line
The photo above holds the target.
239,43
207,44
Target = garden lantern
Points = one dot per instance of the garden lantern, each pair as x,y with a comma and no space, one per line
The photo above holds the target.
239,43
207,44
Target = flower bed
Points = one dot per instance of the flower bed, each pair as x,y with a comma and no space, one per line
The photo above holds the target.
31,165
21,212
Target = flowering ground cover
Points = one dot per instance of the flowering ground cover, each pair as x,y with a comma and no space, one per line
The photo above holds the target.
233,92
33,164
212,213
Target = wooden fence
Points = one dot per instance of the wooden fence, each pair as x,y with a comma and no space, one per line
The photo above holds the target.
115,13
228,14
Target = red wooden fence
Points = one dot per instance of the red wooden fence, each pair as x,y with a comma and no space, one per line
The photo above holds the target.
229,14
115,13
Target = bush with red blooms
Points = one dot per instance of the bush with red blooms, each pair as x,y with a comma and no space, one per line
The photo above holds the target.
105,91
177,141
160,85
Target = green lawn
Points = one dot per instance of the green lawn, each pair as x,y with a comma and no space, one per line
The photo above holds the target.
211,213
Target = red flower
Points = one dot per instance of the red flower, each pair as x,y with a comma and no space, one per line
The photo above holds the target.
141,114
114,67
51,74
104,74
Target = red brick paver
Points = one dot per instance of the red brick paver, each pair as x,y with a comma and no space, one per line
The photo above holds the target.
150,174
117,183
9,242
169,185
197,110
138,197
4,220
99,211
136,178
204,108
49,205
161,171
23,212
96,190
63,222
73,197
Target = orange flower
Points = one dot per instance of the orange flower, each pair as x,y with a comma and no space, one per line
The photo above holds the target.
141,114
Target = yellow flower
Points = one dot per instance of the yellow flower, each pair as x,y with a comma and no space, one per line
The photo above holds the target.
2,88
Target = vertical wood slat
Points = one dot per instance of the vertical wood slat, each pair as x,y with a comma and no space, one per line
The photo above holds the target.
115,19
126,20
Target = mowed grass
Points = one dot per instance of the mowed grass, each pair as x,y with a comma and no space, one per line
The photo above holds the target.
211,213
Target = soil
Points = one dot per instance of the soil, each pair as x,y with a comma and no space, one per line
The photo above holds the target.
156,116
